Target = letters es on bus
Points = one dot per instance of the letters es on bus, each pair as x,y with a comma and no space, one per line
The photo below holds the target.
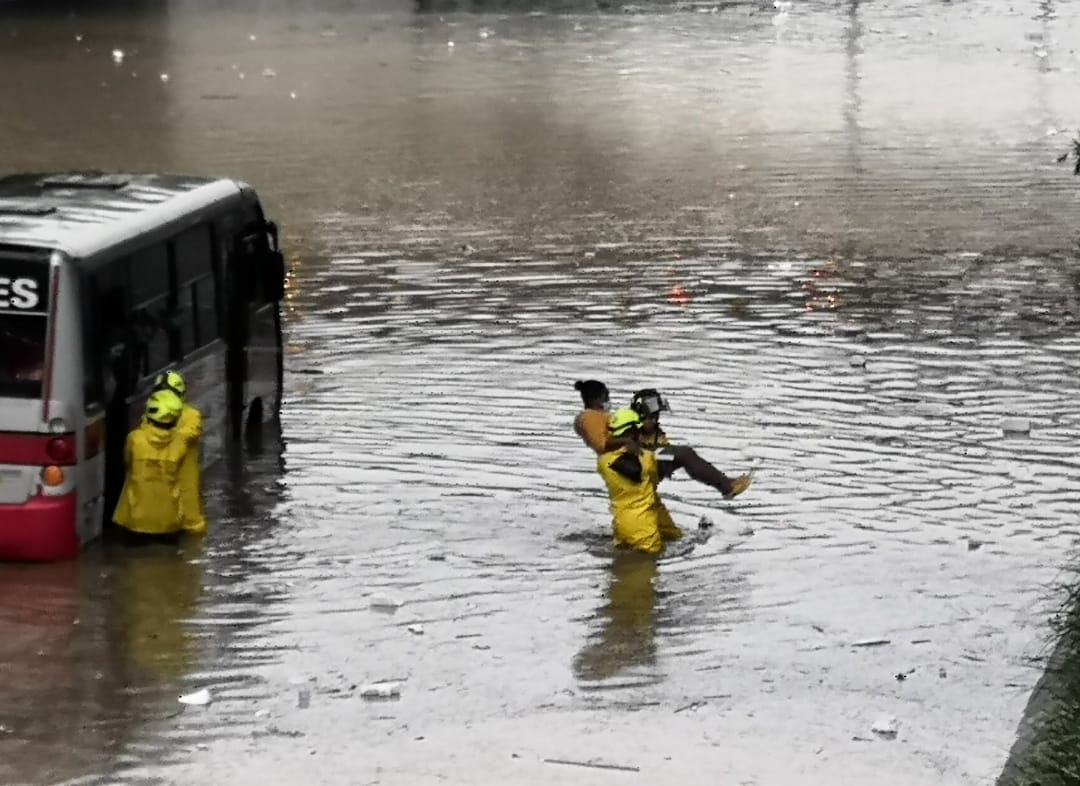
22,293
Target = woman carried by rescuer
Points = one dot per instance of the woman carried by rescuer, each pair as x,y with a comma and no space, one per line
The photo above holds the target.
591,424
632,476
648,404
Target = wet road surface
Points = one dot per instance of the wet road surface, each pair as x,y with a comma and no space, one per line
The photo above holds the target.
836,237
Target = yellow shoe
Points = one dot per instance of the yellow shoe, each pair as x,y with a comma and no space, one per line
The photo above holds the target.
738,486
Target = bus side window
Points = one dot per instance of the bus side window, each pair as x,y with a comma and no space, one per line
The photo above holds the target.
115,343
247,254
196,305
94,393
151,298
107,289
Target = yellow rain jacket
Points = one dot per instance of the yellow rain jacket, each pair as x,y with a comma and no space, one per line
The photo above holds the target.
189,429
639,519
150,500
658,439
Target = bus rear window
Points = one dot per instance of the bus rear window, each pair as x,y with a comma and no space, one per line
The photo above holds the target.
23,321
23,340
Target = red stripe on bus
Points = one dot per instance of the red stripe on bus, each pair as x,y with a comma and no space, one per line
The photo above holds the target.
54,288
37,450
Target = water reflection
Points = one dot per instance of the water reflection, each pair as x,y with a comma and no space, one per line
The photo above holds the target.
159,592
627,622
103,644
852,79
94,653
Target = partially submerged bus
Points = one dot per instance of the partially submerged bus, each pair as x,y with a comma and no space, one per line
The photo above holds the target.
106,280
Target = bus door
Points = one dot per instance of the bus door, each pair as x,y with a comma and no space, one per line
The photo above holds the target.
237,253
104,406
38,449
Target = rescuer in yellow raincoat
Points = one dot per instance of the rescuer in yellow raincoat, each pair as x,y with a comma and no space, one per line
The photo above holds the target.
150,502
189,428
632,475
648,404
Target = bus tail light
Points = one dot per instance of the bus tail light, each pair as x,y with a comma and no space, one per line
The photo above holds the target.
61,449
52,476
37,450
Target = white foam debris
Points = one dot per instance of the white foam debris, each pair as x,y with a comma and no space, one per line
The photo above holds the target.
198,698
381,690
384,602
1016,425
886,726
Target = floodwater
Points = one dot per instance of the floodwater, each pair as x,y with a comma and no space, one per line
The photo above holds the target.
836,235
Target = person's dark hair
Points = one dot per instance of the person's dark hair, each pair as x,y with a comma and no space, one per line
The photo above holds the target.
592,391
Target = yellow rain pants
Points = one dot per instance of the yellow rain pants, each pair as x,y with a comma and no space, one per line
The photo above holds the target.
639,519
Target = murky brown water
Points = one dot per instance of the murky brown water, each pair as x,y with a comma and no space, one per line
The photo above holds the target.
863,208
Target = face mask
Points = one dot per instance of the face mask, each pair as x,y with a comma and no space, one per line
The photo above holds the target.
655,404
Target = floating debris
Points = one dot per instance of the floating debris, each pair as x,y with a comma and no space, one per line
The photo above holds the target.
384,602
381,690
417,630
886,726
269,73
594,764
694,705
163,77
198,698
1016,425
118,56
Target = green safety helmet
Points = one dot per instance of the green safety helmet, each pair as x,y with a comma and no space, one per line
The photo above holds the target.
649,402
171,380
623,421
163,408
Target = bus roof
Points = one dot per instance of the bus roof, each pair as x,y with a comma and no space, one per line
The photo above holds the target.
82,213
